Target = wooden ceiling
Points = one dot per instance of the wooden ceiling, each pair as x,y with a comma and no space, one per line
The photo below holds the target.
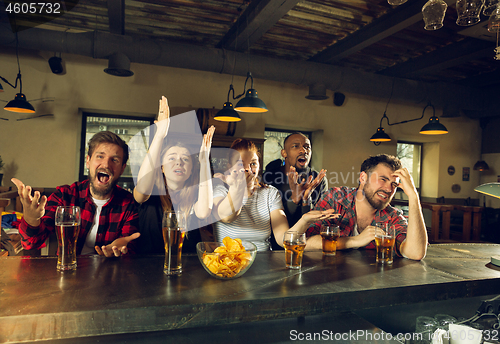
365,35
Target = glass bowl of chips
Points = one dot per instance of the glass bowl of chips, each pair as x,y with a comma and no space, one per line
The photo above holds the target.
227,259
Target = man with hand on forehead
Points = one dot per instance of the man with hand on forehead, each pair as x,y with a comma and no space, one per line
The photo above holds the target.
109,218
300,186
361,208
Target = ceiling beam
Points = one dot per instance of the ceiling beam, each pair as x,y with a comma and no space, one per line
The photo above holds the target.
116,15
482,80
385,26
443,58
259,17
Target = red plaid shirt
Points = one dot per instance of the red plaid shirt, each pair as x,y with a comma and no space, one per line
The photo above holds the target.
343,201
119,217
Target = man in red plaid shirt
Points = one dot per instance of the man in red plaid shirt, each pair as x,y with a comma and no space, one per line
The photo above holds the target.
360,209
109,218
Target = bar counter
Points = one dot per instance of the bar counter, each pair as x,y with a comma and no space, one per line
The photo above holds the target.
132,295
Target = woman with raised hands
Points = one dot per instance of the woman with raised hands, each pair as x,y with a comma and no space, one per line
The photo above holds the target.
171,178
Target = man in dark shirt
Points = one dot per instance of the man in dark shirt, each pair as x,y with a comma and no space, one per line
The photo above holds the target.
299,185
109,218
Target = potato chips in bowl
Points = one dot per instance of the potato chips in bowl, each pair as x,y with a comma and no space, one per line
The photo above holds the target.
228,259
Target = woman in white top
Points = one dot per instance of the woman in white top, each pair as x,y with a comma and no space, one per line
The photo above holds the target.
249,209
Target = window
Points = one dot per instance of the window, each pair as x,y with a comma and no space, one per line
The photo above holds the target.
124,126
410,154
274,143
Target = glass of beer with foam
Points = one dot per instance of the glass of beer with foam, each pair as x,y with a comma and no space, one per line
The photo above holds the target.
385,237
294,244
67,223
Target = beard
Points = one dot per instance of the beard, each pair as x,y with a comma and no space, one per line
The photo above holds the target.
101,191
376,203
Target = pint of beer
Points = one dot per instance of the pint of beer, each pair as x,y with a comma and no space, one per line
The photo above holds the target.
329,236
67,223
294,244
173,228
385,237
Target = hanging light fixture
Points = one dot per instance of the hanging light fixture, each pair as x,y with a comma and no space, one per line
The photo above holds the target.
251,102
481,166
380,136
433,127
489,7
228,114
490,189
433,12
468,12
19,103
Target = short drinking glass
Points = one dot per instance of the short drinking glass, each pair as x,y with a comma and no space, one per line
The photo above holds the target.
67,223
173,228
294,244
329,236
385,238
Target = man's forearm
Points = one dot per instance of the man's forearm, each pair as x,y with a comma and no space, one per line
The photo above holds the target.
415,244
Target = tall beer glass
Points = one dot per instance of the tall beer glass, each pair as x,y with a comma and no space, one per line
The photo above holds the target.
329,236
294,244
385,237
67,221
173,227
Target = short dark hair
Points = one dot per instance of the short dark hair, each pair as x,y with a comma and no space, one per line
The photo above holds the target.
294,133
108,137
391,161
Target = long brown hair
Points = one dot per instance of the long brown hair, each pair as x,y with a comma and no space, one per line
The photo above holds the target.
239,145
188,193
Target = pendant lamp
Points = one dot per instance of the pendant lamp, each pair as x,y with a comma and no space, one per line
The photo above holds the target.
19,104
228,114
251,102
490,189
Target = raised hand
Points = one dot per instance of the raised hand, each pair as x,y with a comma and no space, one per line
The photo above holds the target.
33,206
206,145
163,121
301,190
118,247
406,182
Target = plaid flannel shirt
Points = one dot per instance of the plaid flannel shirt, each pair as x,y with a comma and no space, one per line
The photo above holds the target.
343,201
119,217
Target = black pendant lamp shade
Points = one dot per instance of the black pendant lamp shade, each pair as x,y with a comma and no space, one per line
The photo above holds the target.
433,127
251,101
119,65
227,114
19,104
380,136
481,166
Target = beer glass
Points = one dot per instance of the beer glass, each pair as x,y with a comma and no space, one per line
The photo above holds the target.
173,228
329,236
67,223
385,237
294,244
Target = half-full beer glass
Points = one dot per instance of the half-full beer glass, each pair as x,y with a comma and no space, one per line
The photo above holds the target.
67,223
329,236
385,237
173,227
294,244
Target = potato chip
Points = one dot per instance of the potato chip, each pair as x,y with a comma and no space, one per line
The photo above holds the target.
228,260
